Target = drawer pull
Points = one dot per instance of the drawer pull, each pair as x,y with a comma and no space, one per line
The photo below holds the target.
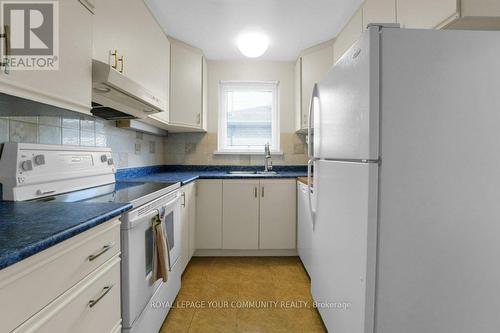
105,249
104,292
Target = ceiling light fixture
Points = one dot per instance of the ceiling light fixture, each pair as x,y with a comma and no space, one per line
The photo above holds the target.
253,44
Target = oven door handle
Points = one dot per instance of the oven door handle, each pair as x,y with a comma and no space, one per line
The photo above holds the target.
173,201
155,212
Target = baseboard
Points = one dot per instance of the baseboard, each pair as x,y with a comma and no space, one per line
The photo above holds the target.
246,253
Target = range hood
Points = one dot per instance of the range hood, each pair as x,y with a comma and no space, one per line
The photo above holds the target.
116,96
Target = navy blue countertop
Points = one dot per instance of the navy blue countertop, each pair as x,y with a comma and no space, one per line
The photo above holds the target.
27,228
187,174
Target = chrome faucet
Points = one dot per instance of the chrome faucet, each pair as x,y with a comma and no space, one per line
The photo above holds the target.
268,164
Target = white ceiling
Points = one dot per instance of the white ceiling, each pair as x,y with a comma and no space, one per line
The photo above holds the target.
292,25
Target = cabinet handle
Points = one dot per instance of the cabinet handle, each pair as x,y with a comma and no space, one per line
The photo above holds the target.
104,249
6,39
115,57
183,204
255,191
262,191
121,60
198,118
104,292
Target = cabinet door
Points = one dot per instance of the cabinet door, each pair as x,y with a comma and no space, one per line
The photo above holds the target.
209,214
278,214
71,312
351,32
240,204
184,228
480,8
186,68
379,11
145,48
304,227
191,199
425,14
68,87
106,29
204,111
314,67
298,95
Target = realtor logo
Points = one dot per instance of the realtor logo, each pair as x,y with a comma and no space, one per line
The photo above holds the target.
31,35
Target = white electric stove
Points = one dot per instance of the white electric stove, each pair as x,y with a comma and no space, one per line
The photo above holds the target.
51,173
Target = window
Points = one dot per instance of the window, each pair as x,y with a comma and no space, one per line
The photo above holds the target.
248,117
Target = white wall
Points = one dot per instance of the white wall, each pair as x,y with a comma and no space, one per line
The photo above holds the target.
253,70
199,148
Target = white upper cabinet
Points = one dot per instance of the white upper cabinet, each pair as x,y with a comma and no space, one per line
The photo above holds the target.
69,87
204,110
240,229
187,91
350,34
310,68
300,117
278,214
451,14
142,48
427,14
89,4
379,11
106,29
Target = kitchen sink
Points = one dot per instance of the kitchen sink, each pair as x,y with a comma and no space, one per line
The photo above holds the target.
242,172
267,172
251,172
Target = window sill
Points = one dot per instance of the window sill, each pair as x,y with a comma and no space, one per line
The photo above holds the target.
243,152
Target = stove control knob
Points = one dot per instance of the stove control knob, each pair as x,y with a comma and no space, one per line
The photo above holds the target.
104,158
110,161
39,160
27,165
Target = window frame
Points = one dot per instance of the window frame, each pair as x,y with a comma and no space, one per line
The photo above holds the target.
274,145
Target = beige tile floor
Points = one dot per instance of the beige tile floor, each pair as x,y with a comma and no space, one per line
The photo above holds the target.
215,291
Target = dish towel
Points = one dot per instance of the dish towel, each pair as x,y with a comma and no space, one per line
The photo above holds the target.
160,251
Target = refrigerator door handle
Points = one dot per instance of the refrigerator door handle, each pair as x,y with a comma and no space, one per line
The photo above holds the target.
310,151
309,190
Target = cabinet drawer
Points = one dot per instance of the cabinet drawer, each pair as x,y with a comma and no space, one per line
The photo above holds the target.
28,286
93,305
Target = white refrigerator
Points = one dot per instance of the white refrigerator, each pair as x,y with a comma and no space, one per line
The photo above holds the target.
406,205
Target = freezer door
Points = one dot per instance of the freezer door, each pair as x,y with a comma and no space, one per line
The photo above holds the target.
344,245
346,119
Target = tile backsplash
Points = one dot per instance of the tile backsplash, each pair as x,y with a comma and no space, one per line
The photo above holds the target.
134,149
199,148
85,132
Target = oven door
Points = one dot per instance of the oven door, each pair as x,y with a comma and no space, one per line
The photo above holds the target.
137,240
171,223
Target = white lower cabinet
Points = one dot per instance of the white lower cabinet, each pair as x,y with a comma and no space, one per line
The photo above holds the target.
188,217
278,214
191,199
240,214
52,290
209,214
259,214
90,306
184,229
304,227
